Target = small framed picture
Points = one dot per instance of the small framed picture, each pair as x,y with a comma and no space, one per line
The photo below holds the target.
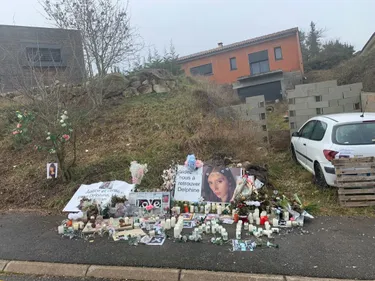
52,170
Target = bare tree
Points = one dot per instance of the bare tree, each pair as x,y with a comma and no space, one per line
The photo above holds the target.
108,37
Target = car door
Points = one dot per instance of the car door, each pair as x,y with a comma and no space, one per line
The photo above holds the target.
314,144
300,144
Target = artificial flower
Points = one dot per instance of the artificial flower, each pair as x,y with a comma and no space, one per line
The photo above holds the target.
48,133
19,125
61,121
19,116
66,112
66,137
48,138
63,125
15,132
52,151
149,207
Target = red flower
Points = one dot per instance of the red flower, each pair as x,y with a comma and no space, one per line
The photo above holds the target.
19,125
66,137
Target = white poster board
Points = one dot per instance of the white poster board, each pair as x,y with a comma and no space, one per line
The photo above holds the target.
102,192
188,184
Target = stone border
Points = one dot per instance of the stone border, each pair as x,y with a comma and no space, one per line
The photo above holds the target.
139,273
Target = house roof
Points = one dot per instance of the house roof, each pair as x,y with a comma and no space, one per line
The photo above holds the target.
368,43
238,45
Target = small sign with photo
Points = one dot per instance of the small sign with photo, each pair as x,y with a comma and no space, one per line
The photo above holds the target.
52,170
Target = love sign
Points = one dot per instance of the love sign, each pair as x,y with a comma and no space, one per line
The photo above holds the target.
158,200
156,203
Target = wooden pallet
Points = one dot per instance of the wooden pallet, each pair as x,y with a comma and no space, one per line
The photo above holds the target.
356,181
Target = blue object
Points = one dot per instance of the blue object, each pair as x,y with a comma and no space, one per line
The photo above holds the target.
191,161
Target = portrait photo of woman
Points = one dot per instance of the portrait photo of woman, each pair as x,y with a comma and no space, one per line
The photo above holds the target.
52,171
219,183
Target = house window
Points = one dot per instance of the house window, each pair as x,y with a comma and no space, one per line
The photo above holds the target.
259,62
205,69
278,53
319,111
233,63
262,116
318,98
43,54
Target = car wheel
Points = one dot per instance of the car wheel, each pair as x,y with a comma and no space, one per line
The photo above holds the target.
294,156
320,180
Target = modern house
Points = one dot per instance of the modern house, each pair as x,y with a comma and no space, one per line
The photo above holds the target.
267,65
33,55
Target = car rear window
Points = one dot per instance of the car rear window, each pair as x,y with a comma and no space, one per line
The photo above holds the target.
354,134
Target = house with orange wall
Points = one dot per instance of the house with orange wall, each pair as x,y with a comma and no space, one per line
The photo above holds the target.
267,65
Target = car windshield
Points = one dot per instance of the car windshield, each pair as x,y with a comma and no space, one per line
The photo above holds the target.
354,134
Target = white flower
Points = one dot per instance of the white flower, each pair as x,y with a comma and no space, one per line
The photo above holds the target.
61,121
63,125
70,130
66,112
48,133
19,116
48,138
64,117
86,150
52,151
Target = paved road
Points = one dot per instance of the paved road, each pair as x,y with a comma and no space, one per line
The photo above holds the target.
335,247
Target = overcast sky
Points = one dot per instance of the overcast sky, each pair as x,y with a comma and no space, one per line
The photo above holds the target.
197,25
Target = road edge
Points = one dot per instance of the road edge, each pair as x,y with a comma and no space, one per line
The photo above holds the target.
140,273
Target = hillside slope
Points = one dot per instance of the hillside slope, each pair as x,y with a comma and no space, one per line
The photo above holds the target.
357,69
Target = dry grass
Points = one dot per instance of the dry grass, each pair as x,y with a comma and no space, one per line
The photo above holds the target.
153,129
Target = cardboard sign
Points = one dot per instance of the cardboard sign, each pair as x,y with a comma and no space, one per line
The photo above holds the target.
159,200
102,192
188,184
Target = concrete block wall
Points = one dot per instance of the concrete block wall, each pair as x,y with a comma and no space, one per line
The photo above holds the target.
253,110
309,100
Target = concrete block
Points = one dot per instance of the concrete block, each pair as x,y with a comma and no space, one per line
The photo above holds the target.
334,94
298,106
198,275
319,104
256,111
304,100
133,273
297,94
334,109
350,107
351,100
305,112
323,91
255,99
326,84
356,86
333,103
351,94
3,263
45,268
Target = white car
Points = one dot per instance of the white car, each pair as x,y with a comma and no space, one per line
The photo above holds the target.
326,137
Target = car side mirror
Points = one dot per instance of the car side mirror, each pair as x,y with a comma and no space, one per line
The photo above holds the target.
296,134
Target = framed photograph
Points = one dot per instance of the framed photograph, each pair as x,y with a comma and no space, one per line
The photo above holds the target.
219,183
52,170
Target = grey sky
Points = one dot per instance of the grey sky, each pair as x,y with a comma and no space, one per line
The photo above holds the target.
196,25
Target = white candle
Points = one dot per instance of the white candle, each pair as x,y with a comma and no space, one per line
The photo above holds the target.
219,210
168,224
152,233
286,216
250,218
256,213
207,208
257,220
191,209
267,233
213,228
275,222
251,228
238,234
267,225
178,210
111,220
240,222
127,221
275,230
173,221
225,236
223,231
288,224
201,209
263,214
196,209
75,225
208,229
213,207
176,232
246,226
200,229
162,223
60,229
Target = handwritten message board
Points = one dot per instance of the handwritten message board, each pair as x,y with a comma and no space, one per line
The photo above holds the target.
102,192
188,184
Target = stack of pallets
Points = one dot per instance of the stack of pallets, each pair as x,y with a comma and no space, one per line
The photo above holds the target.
356,181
